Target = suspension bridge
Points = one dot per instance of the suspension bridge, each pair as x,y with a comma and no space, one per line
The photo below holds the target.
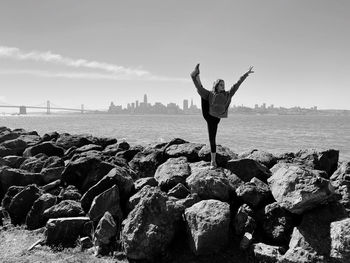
49,106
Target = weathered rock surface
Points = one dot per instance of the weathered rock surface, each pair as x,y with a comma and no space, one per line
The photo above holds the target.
149,227
179,191
209,183
67,208
189,150
246,169
105,234
70,193
142,182
266,253
129,154
208,226
263,157
172,172
298,189
67,141
35,217
13,161
12,147
65,231
223,154
11,192
22,202
145,163
109,201
47,148
113,149
340,240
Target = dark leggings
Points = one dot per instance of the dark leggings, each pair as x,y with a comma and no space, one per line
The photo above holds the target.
212,123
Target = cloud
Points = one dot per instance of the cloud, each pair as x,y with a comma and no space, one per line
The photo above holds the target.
85,75
111,71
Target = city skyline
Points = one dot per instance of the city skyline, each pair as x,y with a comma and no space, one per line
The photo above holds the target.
90,51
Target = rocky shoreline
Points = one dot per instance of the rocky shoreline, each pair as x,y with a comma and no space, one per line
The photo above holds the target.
150,203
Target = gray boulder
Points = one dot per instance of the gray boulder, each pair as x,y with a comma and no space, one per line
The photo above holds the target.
12,147
298,189
11,192
67,141
14,161
89,147
66,208
172,172
142,182
263,157
208,224
105,234
179,191
69,193
246,169
340,240
266,253
223,154
113,149
47,148
65,231
188,150
145,163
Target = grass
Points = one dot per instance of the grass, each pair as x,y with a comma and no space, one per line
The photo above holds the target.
15,241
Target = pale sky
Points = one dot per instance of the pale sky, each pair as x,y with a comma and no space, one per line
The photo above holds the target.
94,52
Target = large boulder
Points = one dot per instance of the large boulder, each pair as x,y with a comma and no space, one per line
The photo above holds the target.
35,217
208,224
69,193
246,169
150,227
47,148
340,240
6,135
298,189
34,164
189,150
10,177
179,191
10,193
84,172
113,149
109,201
89,147
264,253
223,154
65,231
22,202
119,176
67,141
12,147
66,208
210,183
13,161
263,157
341,181
105,235
145,163
172,172
313,234
130,153
142,182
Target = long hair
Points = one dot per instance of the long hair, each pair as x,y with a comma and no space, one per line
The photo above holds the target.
216,83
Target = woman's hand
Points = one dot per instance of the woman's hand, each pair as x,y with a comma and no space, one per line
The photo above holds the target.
195,72
250,70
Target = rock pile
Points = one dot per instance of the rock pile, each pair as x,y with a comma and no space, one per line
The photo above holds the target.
144,201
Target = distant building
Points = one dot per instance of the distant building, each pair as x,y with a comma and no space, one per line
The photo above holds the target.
137,104
145,99
185,105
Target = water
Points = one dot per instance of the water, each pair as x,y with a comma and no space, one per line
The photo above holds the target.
273,133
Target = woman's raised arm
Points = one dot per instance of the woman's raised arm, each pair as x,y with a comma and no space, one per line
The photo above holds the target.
235,87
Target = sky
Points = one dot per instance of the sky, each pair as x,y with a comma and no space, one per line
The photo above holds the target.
95,52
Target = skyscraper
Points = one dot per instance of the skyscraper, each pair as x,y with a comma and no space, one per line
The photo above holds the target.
185,105
145,99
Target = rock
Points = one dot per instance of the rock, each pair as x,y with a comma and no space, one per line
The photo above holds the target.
189,201
109,201
129,154
113,149
179,191
341,181
67,141
244,220
34,164
67,208
340,240
223,154
22,202
145,163
52,185
246,169
47,148
277,224
172,172
119,176
174,141
84,172
266,253
14,161
298,189
142,182
254,193
300,255
326,160
70,193
12,147
150,227
209,183
89,147
208,226
265,158
313,234
103,141
188,150
145,192
10,177
30,138
105,234
51,136
11,192
51,174
35,217
85,243
246,241
4,162
65,231
7,135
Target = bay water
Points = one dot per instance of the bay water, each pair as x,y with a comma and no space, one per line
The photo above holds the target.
272,133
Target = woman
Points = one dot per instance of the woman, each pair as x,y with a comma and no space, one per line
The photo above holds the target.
215,105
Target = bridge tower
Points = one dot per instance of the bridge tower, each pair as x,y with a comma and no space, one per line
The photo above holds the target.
48,107
22,110
82,108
